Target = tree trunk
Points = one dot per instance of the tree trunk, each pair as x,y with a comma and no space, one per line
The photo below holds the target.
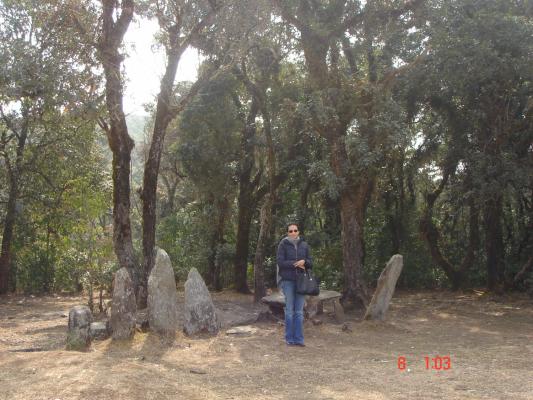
353,200
304,205
214,276
332,218
354,195
90,290
494,243
171,187
101,300
395,206
266,209
224,209
431,235
7,237
122,237
318,35
212,246
259,267
119,140
392,220
48,280
473,240
354,291
11,210
244,217
165,113
246,202
151,172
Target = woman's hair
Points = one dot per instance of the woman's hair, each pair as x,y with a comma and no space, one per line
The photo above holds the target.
291,224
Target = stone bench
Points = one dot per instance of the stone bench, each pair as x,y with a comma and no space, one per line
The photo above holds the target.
314,305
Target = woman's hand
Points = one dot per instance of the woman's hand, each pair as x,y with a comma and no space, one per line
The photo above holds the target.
299,264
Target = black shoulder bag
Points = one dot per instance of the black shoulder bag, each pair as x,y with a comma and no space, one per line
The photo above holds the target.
307,283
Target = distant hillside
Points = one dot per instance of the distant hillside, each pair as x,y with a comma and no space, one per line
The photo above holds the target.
136,125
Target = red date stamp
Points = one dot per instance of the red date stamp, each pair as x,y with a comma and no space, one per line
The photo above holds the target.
437,363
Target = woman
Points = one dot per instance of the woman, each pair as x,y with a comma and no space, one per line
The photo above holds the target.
293,256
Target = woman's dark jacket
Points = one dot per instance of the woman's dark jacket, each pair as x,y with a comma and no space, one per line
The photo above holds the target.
288,254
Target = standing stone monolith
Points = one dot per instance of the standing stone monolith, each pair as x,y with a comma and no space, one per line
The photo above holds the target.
79,322
385,288
124,306
200,313
162,296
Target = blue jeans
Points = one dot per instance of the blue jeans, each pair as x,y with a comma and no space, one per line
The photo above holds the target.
294,313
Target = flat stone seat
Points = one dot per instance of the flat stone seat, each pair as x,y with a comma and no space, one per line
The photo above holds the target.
314,304
275,300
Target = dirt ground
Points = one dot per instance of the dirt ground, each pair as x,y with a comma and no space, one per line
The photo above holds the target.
489,340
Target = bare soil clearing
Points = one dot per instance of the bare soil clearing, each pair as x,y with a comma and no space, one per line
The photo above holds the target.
489,340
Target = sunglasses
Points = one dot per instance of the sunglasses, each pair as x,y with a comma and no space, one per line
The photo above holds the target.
296,230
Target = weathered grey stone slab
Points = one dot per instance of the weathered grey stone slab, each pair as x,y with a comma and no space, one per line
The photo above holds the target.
385,288
162,296
79,321
235,316
99,330
314,305
278,299
124,306
274,301
241,331
200,314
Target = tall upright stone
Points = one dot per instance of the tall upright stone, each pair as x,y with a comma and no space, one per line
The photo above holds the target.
162,296
385,288
123,309
200,313
79,322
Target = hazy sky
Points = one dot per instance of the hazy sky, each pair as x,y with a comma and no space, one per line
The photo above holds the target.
145,65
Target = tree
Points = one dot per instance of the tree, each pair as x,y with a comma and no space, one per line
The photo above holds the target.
266,64
111,35
477,124
181,23
64,214
344,104
206,141
38,48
